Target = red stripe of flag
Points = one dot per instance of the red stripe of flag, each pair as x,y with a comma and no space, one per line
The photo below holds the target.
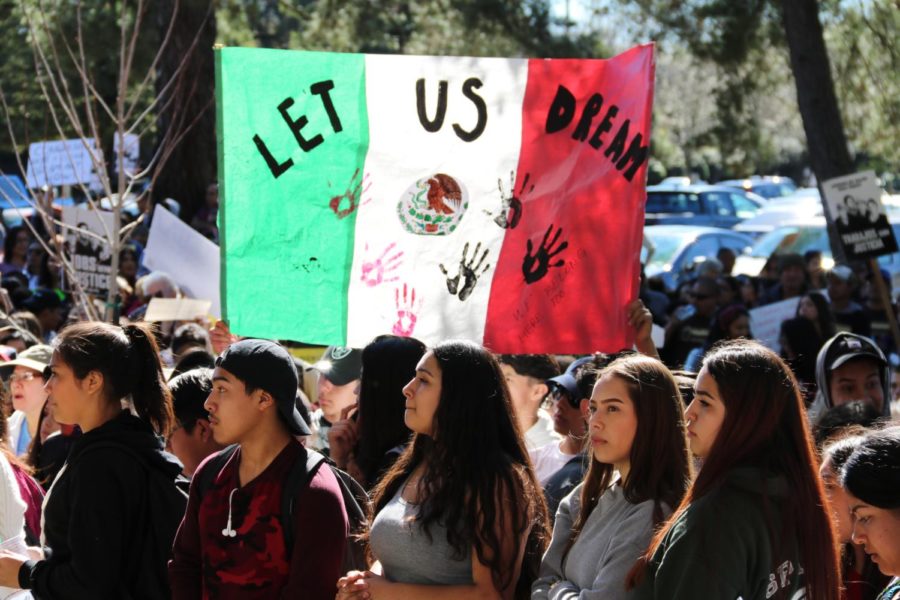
581,180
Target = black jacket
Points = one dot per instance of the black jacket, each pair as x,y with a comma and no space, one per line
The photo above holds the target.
103,537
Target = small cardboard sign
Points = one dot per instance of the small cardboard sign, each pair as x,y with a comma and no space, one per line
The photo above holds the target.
854,204
176,309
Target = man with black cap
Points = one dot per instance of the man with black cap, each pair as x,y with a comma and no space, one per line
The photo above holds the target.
851,367
231,543
338,388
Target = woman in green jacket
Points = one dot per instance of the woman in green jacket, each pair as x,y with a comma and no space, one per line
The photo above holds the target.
754,524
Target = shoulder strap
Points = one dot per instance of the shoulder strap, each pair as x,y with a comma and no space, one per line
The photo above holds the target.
205,478
302,471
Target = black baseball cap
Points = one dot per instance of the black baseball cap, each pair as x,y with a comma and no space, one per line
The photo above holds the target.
340,364
567,381
268,366
845,347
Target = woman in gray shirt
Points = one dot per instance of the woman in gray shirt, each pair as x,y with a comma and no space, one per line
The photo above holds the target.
640,469
460,514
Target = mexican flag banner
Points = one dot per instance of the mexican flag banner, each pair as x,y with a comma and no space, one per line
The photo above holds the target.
497,200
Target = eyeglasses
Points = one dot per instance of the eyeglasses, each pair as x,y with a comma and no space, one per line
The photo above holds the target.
22,377
701,296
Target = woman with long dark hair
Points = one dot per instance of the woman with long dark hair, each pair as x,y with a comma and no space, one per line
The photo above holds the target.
859,575
461,507
871,477
800,345
754,523
111,514
814,307
639,472
367,444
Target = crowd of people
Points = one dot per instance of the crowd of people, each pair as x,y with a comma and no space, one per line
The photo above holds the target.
403,471
177,461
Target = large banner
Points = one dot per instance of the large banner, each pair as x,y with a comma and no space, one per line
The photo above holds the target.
498,200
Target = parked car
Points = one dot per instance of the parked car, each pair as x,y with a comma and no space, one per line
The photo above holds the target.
800,205
801,236
770,186
707,205
678,249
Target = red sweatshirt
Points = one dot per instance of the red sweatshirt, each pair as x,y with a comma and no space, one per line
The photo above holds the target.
254,564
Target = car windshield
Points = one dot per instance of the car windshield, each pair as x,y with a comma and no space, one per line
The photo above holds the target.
787,240
665,247
772,190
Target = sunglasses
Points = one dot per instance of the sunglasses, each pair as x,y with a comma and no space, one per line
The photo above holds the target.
701,296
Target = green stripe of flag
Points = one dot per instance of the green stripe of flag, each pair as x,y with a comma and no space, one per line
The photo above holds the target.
293,136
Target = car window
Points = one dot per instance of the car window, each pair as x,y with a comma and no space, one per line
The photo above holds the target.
665,248
770,242
742,207
672,202
705,246
718,203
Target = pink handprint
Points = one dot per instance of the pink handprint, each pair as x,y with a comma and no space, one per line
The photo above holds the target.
407,310
376,272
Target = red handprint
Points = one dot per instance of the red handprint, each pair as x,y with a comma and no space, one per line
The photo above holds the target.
355,189
407,310
376,272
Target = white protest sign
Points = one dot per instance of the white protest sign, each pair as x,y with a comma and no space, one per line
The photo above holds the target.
186,255
658,335
854,202
176,309
132,152
63,162
91,257
765,321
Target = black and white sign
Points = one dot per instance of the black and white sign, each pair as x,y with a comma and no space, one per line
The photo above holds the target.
90,256
854,202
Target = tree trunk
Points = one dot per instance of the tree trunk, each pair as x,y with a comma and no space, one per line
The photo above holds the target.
191,165
828,152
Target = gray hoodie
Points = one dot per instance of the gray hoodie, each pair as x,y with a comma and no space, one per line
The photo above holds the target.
844,344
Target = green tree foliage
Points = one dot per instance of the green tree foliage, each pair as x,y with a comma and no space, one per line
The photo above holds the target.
54,26
864,43
441,27
756,122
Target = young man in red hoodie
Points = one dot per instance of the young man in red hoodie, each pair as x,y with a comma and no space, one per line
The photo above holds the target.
231,543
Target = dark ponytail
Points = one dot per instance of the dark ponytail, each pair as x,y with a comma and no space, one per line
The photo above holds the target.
128,359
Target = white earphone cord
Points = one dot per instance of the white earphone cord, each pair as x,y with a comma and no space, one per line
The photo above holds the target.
228,531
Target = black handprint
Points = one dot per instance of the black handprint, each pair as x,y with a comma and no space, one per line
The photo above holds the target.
511,203
468,271
535,267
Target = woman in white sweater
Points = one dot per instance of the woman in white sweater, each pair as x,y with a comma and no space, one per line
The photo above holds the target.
640,469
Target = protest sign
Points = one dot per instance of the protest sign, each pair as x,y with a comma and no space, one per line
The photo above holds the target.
498,200
63,162
854,203
91,257
765,321
176,309
189,258
131,154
